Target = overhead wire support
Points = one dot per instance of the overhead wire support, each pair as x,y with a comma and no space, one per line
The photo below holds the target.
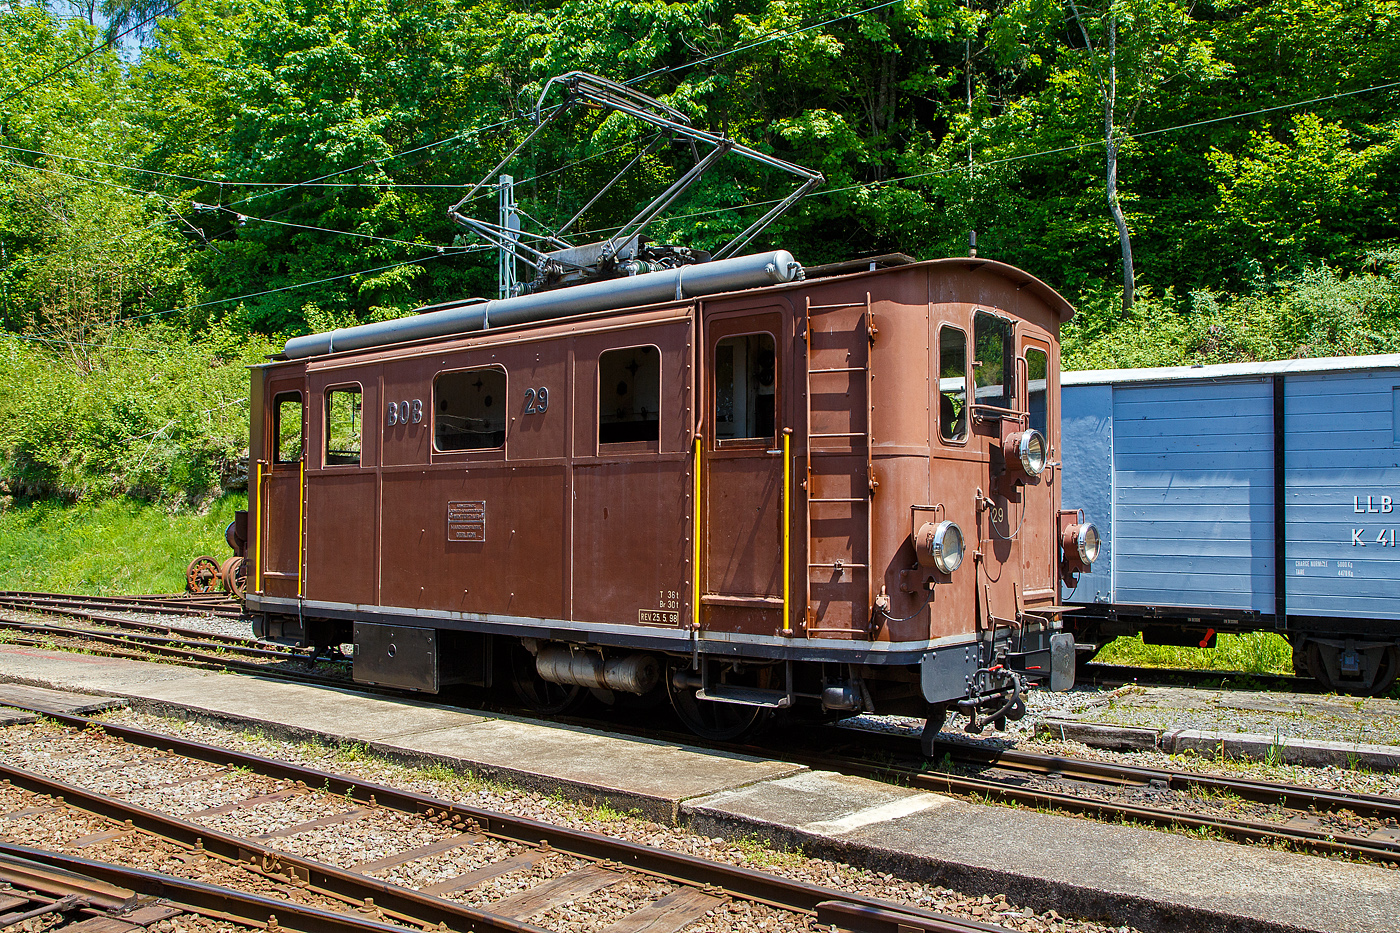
594,91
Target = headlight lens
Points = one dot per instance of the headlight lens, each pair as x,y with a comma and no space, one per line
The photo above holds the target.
947,547
1088,543
1032,452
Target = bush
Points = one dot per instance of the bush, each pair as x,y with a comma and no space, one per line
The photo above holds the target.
1313,313
152,412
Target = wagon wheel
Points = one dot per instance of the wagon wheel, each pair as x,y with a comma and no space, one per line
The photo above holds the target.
717,722
540,695
1385,674
202,575
234,575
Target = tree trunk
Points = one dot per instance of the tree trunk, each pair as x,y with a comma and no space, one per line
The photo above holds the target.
1111,144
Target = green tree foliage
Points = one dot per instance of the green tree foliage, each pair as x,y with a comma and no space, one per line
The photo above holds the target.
261,168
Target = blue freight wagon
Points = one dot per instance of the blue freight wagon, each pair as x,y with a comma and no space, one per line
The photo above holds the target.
1190,472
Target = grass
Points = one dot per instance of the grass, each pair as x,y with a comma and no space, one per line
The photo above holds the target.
760,853
111,547
1253,653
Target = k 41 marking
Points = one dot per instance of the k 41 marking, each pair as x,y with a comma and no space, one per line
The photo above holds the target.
1385,537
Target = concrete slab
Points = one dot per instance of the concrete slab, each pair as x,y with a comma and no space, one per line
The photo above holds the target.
1357,720
1285,749
57,701
629,774
1150,879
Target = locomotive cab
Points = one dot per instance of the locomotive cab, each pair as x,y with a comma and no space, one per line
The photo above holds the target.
741,486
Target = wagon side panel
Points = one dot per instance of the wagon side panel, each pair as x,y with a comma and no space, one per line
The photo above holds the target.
1194,494
1086,479
1343,495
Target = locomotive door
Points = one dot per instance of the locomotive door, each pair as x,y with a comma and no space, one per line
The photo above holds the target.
280,496
342,485
743,472
1038,544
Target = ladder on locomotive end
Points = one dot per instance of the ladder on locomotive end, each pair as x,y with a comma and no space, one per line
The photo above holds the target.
822,447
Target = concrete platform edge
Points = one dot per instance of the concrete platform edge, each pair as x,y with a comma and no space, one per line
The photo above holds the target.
662,810
1039,894
1245,745
1152,915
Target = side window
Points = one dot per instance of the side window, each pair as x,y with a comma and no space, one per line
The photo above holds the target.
343,425
287,416
993,372
629,395
1038,390
469,410
745,398
952,384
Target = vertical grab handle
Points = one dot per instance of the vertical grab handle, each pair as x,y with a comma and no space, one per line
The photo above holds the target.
695,544
301,532
257,530
787,531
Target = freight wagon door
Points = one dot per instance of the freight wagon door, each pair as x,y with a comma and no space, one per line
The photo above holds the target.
279,498
743,473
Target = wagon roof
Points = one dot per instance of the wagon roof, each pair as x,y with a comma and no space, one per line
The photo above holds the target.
1326,364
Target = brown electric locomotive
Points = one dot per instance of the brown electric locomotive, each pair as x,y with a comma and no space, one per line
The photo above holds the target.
742,484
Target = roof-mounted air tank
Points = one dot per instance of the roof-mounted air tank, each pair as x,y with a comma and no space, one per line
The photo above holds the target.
709,278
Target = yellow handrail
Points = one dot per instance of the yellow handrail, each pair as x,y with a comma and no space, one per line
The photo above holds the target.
695,545
257,529
787,530
301,531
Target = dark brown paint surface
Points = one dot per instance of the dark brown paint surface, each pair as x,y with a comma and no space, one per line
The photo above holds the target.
558,525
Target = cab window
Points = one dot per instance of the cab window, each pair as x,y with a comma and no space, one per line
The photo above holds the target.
343,425
993,371
745,394
287,418
469,409
952,384
1038,390
629,395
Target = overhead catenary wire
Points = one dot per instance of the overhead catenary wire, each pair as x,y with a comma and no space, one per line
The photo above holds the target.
1076,147
111,40
772,36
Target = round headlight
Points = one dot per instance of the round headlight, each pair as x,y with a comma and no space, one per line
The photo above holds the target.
947,547
1031,450
1088,543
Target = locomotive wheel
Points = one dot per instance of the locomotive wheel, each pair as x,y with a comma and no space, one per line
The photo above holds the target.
717,722
234,575
536,693
202,575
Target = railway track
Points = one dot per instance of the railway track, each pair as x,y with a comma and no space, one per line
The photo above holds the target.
1360,826
1328,822
450,864
92,896
218,606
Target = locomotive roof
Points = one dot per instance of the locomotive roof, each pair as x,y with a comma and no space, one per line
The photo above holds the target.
1326,364
877,266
